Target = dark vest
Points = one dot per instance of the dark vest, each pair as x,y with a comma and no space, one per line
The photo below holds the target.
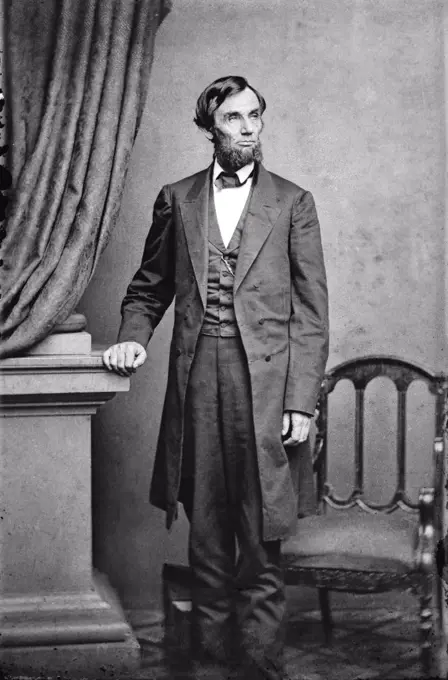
220,314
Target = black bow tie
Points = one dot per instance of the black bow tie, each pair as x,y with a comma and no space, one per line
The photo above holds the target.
230,180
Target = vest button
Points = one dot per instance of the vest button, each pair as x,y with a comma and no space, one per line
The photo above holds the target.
261,322
268,358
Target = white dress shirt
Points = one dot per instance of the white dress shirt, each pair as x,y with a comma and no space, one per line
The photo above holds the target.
229,203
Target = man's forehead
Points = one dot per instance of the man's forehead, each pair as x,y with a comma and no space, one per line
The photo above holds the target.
246,100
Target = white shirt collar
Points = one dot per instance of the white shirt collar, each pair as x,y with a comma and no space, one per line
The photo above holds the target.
243,173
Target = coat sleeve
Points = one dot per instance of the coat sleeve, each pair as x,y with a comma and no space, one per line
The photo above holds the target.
151,291
308,328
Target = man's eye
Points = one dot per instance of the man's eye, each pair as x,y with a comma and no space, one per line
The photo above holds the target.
255,115
232,116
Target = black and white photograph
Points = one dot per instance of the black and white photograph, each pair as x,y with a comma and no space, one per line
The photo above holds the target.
223,339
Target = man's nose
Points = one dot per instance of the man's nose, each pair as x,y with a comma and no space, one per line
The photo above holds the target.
247,126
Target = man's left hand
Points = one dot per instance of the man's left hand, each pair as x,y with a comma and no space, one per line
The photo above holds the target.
300,427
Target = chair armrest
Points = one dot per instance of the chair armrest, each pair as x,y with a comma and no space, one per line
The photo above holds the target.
319,442
425,540
439,485
318,453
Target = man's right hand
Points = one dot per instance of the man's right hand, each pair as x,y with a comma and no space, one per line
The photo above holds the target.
124,358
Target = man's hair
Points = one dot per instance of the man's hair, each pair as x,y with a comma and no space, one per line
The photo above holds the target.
214,95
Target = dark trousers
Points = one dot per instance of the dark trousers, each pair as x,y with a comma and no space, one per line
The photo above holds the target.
238,599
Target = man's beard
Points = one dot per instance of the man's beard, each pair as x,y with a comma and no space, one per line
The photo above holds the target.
233,158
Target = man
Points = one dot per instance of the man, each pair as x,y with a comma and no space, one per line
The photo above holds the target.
239,248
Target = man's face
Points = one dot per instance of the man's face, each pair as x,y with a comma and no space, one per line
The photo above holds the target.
237,129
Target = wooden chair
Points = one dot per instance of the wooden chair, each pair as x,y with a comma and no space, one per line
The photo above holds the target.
363,547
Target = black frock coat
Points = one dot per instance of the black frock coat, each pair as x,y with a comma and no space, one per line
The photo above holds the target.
281,307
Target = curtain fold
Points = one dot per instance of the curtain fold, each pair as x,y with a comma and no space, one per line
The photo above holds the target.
78,75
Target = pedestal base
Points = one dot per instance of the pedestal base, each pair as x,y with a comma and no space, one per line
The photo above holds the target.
67,636
99,660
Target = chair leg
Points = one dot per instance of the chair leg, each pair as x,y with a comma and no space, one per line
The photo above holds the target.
441,646
426,629
440,600
324,601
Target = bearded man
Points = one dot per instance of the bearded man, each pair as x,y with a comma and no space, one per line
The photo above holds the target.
239,249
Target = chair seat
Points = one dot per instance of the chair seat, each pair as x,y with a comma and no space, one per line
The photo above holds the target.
352,539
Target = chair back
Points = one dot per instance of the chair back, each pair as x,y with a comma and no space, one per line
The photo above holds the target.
360,372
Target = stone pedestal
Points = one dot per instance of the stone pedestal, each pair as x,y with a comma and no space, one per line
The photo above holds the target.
56,617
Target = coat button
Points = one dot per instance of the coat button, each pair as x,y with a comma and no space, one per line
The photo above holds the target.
268,358
261,321
178,352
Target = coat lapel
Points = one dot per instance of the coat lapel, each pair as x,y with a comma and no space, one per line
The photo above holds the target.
263,212
194,211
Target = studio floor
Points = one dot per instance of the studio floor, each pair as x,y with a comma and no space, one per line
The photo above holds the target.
371,640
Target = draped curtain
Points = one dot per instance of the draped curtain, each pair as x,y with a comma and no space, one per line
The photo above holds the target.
78,73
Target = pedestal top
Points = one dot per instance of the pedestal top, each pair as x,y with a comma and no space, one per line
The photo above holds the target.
50,362
59,374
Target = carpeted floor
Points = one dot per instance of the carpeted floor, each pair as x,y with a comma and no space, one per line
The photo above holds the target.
370,642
